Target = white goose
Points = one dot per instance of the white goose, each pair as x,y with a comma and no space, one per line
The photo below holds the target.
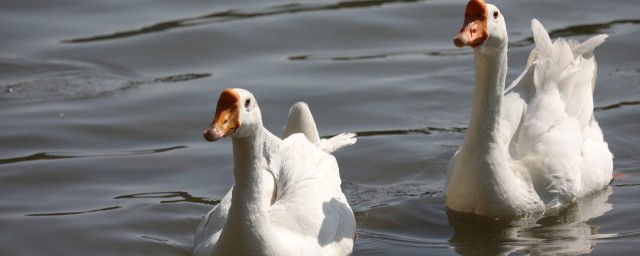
286,199
535,145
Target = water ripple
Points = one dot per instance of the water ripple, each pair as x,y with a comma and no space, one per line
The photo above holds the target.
571,31
425,130
26,81
579,30
626,234
617,105
55,156
180,77
379,55
365,197
73,213
177,196
403,240
234,15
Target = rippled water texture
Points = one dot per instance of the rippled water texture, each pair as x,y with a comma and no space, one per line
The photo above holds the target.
103,104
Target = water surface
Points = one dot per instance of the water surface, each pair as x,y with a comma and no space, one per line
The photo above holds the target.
103,104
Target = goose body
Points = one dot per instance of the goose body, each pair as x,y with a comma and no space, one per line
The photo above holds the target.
286,199
535,145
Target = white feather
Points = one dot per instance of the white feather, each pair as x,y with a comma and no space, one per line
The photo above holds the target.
286,199
300,120
545,147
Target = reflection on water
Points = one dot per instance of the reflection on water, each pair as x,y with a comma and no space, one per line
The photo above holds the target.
564,232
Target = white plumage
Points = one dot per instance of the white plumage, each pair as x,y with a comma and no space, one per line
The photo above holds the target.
535,145
287,198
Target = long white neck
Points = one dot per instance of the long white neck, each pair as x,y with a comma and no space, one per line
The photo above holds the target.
248,223
483,136
482,180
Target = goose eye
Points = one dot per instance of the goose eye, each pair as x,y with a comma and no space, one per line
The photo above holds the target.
495,15
247,103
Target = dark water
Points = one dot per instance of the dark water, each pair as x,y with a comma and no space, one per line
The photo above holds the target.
103,103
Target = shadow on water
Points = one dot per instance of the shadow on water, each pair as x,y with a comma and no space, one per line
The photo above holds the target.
56,156
565,232
234,15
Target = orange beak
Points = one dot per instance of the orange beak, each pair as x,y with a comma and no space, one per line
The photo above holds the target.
474,30
227,118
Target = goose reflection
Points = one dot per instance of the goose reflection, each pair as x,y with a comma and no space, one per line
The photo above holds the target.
565,232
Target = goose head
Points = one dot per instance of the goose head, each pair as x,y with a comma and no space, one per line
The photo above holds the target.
483,29
237,115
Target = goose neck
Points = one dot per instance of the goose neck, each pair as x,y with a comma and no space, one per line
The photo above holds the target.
250,168
490,75
248,218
